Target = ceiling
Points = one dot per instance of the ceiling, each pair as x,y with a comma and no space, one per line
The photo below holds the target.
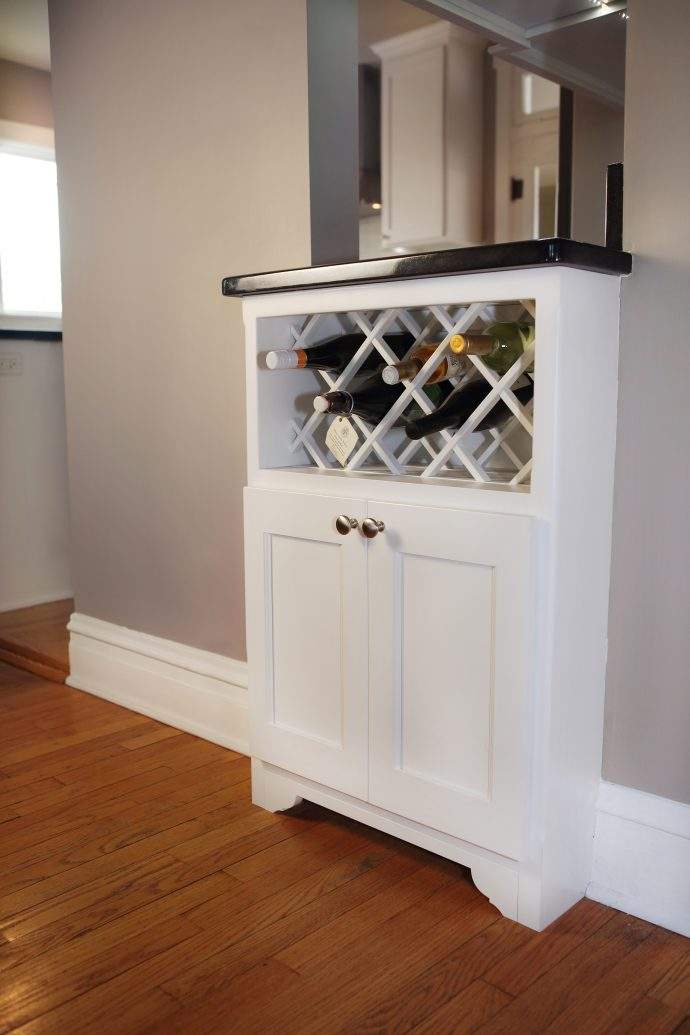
577,43
597,46
528,13
24,36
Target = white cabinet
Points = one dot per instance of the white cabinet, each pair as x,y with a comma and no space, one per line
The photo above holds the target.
444,680
431,137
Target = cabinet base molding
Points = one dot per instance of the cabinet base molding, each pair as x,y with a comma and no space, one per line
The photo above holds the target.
496,877
193,690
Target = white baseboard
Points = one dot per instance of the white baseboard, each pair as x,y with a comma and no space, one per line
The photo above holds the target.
642,856
32,601
191,689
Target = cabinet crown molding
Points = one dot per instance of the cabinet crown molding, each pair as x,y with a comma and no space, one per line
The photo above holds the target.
420,39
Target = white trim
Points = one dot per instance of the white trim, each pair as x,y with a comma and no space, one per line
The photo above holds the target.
531,59
415,40
495,876
475,17
191,689
642,856
39,598
29,322
588,15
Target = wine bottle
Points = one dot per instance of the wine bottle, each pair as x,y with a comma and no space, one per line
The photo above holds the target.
370,399
451,365
499,347
461,403
334,355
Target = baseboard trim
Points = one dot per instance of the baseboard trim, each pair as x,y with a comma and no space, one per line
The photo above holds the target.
642,856
190,689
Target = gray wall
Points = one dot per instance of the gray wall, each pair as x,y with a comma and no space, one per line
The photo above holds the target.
182,143
648,721
333,130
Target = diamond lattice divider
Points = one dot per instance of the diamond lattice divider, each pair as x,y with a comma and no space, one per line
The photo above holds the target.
447,452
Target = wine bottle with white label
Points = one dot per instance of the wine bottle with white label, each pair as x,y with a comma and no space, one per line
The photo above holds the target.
455,410
334,355
451,365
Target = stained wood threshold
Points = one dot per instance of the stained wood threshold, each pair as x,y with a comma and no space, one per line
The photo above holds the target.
34,661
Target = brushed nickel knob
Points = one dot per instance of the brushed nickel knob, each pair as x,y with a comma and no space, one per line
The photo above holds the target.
371,527
343,523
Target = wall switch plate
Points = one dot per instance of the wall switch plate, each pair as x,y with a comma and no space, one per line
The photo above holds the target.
10,364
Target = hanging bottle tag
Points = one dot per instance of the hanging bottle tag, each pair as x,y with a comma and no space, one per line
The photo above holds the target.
341,439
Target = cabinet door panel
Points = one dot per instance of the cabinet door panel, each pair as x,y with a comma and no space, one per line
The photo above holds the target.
307,638
413,146
449,709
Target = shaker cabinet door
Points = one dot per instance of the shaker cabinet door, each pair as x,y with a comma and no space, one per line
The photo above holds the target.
307,637
413,149
449,623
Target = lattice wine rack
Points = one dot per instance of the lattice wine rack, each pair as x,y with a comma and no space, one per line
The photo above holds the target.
501,455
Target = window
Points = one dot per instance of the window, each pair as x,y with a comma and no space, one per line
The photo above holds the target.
29,237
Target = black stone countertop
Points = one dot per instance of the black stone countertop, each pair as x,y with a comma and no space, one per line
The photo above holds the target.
556,251
22,334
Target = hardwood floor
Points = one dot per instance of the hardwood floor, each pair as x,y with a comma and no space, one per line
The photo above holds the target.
140,891
36,639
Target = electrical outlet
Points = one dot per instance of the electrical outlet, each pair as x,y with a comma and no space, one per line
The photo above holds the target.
10,364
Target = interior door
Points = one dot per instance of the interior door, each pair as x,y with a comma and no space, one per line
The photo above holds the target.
449,621
307,637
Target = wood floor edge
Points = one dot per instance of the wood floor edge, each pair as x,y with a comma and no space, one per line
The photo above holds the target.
32,661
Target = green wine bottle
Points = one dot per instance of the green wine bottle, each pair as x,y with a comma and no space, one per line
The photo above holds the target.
499,347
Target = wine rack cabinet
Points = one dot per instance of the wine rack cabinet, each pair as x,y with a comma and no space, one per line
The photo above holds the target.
501,455
426,626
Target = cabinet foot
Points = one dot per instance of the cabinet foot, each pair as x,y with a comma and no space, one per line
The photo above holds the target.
499,884
272,791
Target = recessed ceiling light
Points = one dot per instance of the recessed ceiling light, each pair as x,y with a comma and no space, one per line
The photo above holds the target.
376,205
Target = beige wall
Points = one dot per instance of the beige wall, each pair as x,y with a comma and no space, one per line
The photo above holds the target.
648,722
25,95
597,142
181,134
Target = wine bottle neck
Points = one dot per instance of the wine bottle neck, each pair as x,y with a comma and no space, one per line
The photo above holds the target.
471,344
334,402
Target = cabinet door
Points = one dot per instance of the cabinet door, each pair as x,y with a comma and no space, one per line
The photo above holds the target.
307,637
448,637
413,152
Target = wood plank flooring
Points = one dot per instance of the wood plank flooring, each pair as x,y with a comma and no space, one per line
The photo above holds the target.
140,891
36,639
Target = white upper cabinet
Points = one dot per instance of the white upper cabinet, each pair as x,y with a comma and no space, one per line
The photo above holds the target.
431,138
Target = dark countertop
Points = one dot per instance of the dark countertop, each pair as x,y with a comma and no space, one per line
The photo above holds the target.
483,258
22,334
